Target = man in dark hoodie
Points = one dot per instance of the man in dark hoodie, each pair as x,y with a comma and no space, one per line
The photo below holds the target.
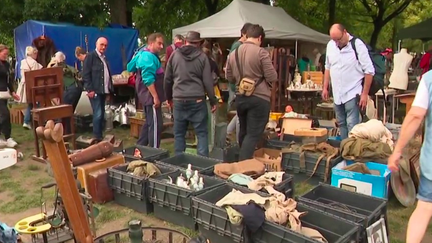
188,79
149,87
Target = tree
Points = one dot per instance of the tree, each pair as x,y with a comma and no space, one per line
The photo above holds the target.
382,12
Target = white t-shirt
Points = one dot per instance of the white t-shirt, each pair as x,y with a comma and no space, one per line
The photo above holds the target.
422,96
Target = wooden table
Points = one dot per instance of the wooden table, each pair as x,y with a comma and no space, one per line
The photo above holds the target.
307,98
406,99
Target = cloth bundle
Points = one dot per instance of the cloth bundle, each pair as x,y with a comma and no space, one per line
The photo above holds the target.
250,167
142,168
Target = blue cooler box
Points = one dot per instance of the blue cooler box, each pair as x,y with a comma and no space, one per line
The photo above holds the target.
371,185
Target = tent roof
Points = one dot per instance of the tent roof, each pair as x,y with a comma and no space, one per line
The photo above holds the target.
275,21
422,31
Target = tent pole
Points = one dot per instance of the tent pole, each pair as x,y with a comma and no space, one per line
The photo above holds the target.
296,51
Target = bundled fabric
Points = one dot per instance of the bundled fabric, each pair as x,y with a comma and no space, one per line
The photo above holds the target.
373,130
275,210
267,182
364,150
142,168
250,167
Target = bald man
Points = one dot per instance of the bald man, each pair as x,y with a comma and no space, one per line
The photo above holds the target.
98,83
347,75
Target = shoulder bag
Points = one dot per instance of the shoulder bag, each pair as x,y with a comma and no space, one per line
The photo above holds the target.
246,86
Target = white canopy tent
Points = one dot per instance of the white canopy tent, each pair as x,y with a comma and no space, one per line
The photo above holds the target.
276,22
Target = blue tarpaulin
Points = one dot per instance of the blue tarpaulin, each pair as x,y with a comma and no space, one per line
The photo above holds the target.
68,36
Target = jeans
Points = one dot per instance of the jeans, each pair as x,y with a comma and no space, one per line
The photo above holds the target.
98,106
5,122
424,190
234,125
152,129
347,116
231,97
71,96
27,114
196,113
253,114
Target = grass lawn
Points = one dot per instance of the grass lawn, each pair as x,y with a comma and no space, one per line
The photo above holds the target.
20,194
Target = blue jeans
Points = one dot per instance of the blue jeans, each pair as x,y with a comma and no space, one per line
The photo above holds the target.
425,189
27,114
195,113
98,105
71,96
347,116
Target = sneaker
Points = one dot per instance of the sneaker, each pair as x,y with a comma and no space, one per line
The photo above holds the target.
27,126
10,143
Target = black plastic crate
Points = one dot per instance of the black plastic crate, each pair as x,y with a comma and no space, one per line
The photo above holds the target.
227,155
148,153
276,143
332,228
181,161
173,203
291,162
214,218
129,190
362,209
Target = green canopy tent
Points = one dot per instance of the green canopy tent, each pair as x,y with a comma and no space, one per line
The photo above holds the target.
422,31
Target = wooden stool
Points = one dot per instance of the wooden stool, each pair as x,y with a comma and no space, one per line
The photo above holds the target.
42,115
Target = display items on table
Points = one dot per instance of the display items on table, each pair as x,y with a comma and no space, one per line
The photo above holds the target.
369,178
121,79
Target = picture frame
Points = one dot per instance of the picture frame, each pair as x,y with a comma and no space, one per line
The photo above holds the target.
377,232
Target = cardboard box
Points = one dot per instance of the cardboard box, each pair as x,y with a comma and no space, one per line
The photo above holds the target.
368,184
272,158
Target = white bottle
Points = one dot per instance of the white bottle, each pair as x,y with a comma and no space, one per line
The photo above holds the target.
189,172
196,176
200,185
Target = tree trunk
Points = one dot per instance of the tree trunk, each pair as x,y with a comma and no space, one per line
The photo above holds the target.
378,25
331,12
118,12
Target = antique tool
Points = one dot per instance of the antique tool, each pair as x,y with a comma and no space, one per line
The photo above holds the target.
52,136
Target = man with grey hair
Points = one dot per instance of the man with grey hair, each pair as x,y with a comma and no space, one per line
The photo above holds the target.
97,81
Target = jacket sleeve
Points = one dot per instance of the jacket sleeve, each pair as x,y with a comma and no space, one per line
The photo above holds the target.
87,73
131,66
147,63
169,80
228,70
11,79
208,81
270,74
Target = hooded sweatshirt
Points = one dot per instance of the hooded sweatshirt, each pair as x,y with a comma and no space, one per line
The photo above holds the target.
188,75
147,66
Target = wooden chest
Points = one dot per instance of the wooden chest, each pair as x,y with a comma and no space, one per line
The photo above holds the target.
98,187
135,126
86,169
17,116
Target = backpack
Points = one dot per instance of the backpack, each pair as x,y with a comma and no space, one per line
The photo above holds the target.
379,64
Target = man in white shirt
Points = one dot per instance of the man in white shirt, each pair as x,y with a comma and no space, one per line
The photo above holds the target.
420,110
347,75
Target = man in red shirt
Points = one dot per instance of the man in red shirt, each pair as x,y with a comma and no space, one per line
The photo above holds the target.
178,42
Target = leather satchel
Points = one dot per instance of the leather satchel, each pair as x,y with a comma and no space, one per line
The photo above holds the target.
93,153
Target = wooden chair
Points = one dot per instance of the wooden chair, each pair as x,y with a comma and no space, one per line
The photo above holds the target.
44,89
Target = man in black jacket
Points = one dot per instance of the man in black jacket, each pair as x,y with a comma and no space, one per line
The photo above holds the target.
98,83
188,78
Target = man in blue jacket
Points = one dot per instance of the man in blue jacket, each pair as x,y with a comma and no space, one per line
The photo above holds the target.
149,88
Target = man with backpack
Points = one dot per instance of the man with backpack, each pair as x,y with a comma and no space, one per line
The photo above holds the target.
351,70
178,42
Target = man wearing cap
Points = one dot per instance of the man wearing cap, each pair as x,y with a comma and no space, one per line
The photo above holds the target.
420,110
188,78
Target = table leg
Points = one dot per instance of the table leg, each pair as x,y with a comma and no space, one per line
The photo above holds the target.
36,142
